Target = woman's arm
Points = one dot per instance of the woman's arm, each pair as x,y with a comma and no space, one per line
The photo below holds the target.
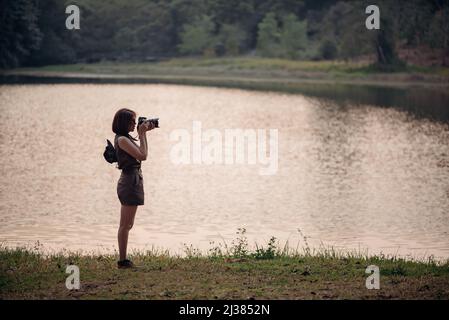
143,144
141,152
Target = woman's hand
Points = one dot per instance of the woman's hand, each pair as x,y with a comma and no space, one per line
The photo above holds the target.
143,128
151,125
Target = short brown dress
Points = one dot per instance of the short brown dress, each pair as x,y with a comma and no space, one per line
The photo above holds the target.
130,185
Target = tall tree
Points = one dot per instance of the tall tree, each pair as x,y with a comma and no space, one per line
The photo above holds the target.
343,25
439,33
58,44
268,36
198,37
231,37
386,37
293,37
19,32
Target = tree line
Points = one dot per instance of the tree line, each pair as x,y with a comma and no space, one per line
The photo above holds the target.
33,32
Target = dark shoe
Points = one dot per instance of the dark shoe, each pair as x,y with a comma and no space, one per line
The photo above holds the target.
123,264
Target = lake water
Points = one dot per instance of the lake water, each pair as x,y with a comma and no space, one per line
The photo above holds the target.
352,173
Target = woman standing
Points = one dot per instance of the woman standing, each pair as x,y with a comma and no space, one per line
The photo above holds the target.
130,185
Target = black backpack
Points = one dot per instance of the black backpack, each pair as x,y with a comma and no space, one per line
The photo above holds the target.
109,153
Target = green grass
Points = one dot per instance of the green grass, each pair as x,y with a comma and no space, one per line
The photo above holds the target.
245,66
234,271
249,73
265,64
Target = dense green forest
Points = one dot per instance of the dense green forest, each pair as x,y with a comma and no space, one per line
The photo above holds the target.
33,32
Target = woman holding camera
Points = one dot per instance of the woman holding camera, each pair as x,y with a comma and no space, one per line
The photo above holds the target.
130,185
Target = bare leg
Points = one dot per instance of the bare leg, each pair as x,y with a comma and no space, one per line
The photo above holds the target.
126,223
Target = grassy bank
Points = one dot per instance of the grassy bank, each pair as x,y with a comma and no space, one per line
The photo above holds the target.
247,72
236,272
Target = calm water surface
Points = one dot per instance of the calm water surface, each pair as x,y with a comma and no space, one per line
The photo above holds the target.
350,175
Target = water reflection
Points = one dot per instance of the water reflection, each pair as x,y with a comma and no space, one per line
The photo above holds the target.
418,101
350,175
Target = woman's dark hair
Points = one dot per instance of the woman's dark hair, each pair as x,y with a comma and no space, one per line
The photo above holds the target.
122,121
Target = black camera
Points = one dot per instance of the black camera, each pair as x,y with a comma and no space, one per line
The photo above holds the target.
153,121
